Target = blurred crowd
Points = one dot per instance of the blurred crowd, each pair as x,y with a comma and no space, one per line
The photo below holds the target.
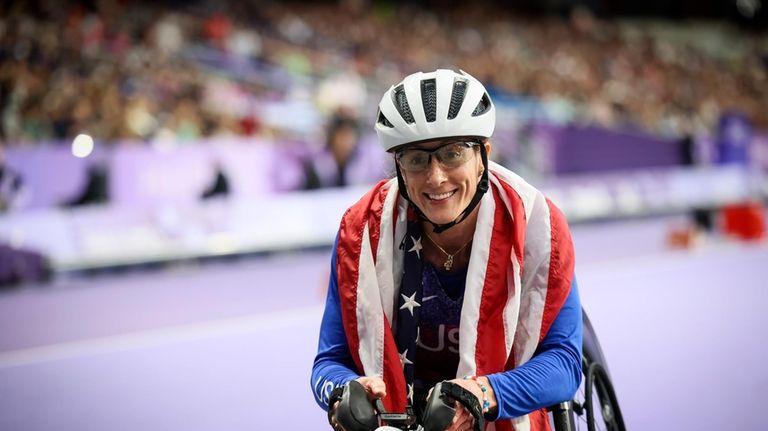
133,70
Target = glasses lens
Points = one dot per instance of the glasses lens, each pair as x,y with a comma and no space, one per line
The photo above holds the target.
450,155
413,160
454,155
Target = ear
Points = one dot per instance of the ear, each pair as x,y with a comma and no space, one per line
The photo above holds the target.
488,147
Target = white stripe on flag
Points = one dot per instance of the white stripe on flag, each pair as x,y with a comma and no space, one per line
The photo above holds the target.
538,250
522,423
528,194
478,263
384,261
370,330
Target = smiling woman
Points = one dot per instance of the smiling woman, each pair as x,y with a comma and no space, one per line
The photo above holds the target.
393,296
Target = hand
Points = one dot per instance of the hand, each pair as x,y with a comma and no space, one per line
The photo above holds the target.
463,419
374,388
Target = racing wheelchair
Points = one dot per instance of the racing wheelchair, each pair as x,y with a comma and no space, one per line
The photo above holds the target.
595,406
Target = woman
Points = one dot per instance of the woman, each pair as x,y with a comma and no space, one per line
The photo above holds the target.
456,270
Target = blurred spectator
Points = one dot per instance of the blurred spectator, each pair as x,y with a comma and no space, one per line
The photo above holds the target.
96,189
139,70
702,219
219,187
12,190
344,160
19,266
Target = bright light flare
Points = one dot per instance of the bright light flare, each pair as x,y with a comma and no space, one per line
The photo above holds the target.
82,146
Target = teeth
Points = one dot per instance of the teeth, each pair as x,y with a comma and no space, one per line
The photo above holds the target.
441,196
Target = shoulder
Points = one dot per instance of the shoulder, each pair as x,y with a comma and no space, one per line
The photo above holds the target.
545,224
536,205
370,204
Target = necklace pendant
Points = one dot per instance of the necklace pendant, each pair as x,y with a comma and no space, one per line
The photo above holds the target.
448,263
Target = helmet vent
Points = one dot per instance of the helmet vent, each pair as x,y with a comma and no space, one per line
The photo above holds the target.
483,106
401,103
429,99
457,98
383,120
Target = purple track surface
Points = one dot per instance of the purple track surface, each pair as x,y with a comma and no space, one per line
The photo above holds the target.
230,346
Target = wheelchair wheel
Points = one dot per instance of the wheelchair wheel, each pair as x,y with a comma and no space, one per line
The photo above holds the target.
595,406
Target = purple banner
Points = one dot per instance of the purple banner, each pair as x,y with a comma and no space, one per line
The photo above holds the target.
576,149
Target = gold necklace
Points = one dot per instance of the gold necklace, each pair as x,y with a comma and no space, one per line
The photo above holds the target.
448,264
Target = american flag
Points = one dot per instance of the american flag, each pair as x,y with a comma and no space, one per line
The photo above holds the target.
519,275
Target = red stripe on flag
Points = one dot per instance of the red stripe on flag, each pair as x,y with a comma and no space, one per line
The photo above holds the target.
561,264
347,273
539,420
395,401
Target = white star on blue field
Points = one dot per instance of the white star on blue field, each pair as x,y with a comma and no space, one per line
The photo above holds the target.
416,246
409,302
404,358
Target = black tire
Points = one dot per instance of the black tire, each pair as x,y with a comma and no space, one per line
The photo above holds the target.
595,406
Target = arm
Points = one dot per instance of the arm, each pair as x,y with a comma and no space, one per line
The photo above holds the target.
554,372
333,364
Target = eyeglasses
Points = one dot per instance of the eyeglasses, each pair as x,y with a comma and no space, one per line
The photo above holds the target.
450,155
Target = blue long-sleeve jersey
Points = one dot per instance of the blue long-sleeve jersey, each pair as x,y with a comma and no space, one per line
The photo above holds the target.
551,376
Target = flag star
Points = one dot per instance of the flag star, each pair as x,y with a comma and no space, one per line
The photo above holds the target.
409,302
404,358
418,335
416,246
410,392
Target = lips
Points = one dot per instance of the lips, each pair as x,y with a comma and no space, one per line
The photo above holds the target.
440,196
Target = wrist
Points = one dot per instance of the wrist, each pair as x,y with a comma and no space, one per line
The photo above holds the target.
493,405
487,398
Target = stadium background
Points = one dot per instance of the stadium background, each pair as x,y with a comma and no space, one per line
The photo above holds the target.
169,193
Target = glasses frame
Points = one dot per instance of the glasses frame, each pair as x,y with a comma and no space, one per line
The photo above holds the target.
430,153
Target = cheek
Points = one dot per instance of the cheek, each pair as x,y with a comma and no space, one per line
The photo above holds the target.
409,185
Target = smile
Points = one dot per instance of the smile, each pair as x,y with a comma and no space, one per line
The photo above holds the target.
440,196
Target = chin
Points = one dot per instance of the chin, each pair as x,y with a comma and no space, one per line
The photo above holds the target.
440,217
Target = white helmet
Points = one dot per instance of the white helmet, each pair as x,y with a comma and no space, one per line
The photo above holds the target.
433,105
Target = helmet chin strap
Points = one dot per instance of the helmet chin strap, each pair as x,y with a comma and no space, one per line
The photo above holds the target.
482,187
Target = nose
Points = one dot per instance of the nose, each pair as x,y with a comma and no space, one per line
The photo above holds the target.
435,173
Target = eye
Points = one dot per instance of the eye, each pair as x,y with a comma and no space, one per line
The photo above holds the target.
413,159
452,152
